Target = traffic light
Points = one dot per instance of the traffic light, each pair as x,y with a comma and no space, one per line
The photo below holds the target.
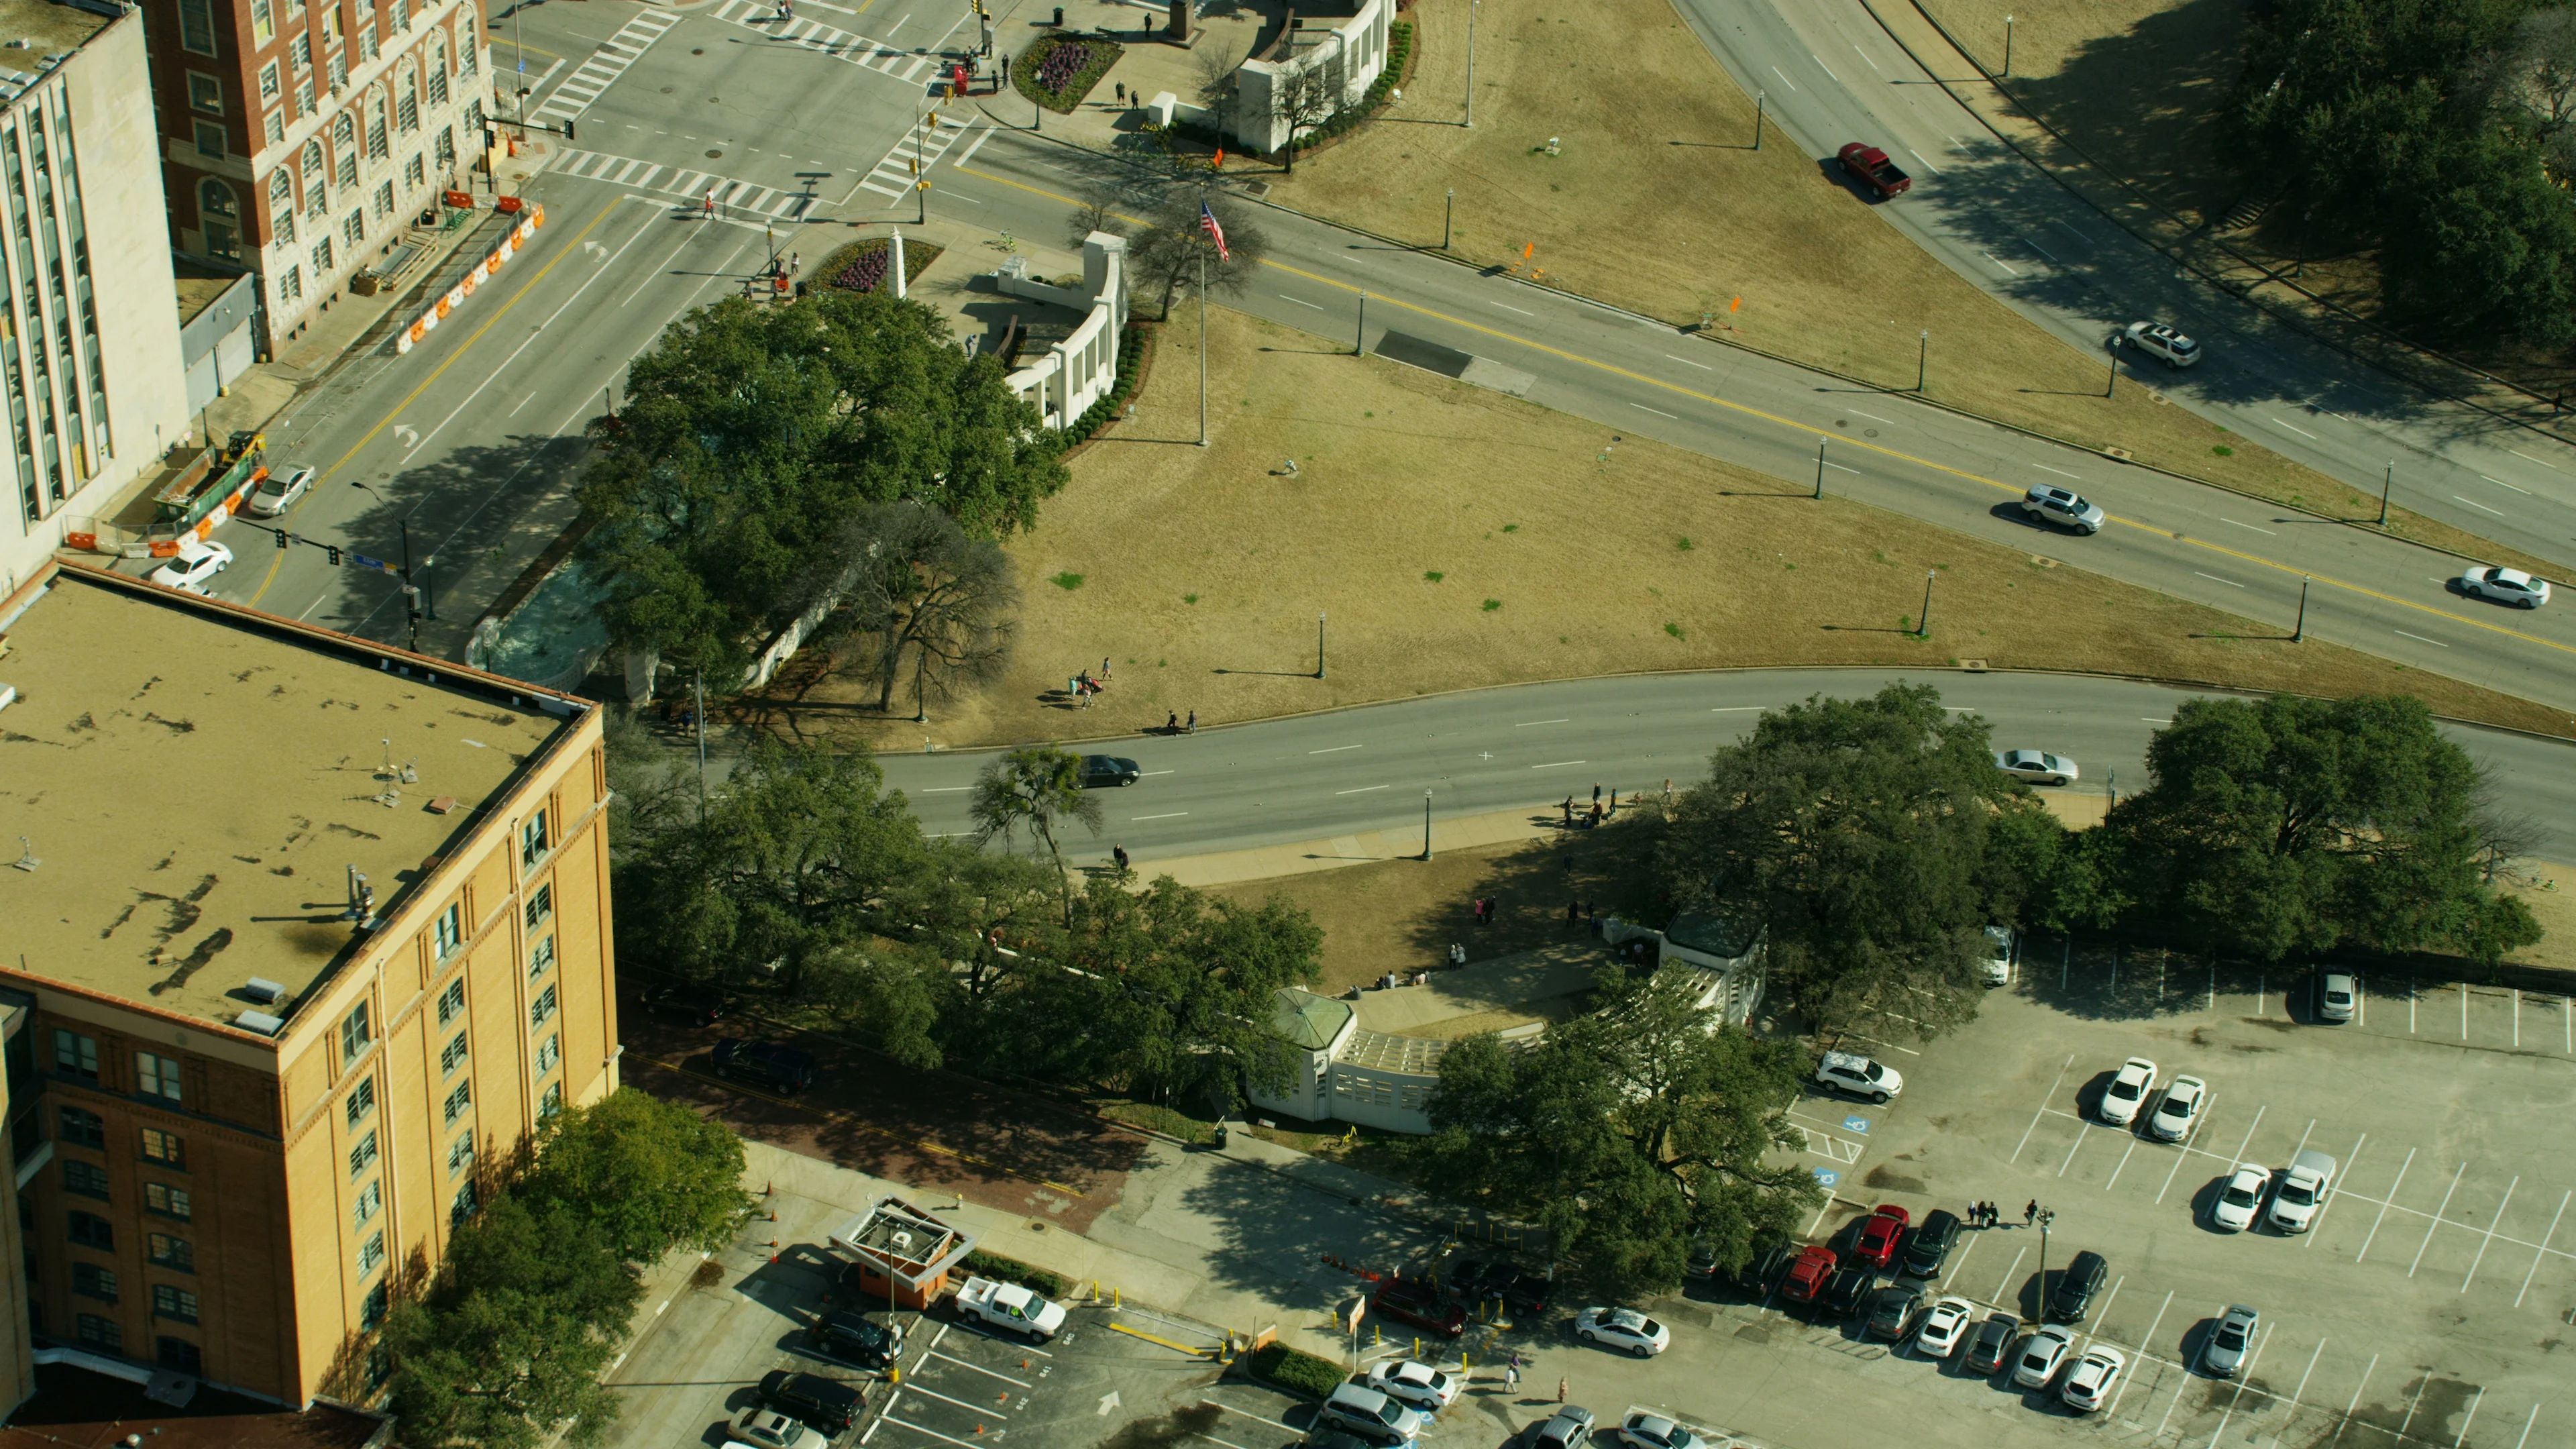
335,553
567,130
283,538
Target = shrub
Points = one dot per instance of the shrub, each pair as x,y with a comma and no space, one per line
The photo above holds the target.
1131,363
1068,581
981,1264
1057,71
1297,1372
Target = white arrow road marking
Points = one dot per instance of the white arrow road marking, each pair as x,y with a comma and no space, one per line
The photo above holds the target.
1108,1401
409,435
598,247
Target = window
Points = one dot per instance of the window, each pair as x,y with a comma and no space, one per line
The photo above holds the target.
437,72
268,81
263,22
541,905
371,1311
157,1076
362,1101
84,1129
450,930
210,137
354,225
460,1154
331,24
197,26
304,97
91,1231
549,1053
451,1001
205,93
551,1103
459,1100
385,199
290,283
366,42
364,1155
89,1280
370,1202
321,258
75,1055
177,1304
452,1056
166,1201
344,145
273,126
407,103
180,1356
165,1149
214,198
86,1178
337,68
371,1253
544,1009
355,1034
301,52
415,175
462,1207
532,840
402,15
101,1333
541,958
281,202
170,1252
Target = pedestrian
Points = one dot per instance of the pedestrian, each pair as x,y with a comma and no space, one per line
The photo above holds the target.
1985,1215
1118,853
1614,802
1512,1379
1595,817
1480,910
2030,1214
1573,913
1104,669
1171,724
1072,687
1194,721
1122,93
1569,812
1596,792
1668,787
796,263
1560,1391
710,212
1457,954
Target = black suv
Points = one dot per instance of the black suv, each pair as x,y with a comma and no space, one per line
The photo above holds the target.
853,1337
1930,1246
781,1069
825,1405
687,1001
1763,1269
1850,1289
2076,1287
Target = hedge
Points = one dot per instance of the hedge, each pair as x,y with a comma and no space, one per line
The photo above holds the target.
980,1264
1297,1372
1132,350
1098,56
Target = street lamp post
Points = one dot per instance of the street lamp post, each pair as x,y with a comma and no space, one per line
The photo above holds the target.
1203,441
2112,387
1448,209
415,599
2046,1216
1426,825
1472,7
1820,466
2008,29
1319,645
1922,357
1925,631
2386,484
2299,630
1759,98
1359,339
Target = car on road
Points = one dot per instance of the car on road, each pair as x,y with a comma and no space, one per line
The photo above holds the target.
2240,1201
2039,767
1858,1075
2337,991
2088,1384
1414,1382
1892,1312
1930,1246
1420,1304
1568,1428
1869,166
1880,1233
828,1405
2064,507
760,1428
2224,1354
2128,1091
1372,1415
1850,1289
2180,1110
2505,586
1991,1344
2304,1184
1643,1430
2077,1286
1946,1324
278,491
687,1001
2042,1355
1996,962
2163,343
1622,1328
854,1338
1809,1274
1104,770
195,566
781,1069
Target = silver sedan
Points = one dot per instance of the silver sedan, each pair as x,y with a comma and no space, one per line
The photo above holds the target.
2037,766
2505,586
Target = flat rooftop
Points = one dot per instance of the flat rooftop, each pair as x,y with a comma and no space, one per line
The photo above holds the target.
197,779
30,30
77,1408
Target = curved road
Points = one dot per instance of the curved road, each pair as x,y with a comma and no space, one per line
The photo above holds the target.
1311,777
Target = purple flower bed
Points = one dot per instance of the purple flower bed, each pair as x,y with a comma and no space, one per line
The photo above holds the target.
865,274
1063,62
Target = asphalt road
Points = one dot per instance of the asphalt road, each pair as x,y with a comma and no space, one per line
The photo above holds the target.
1311,777
1831,73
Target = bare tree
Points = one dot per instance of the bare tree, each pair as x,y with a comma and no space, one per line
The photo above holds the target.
1311,96
1097,210
920,593
2506,834
1167,255
1218,87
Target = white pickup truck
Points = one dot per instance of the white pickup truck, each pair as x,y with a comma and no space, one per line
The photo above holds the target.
1012,1307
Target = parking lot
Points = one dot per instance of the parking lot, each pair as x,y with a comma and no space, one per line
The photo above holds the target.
964,1385
2430,1300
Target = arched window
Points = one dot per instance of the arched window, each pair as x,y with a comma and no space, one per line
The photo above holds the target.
281,207
317,181
407,102
468,40
218,214
344,145
437,72
214,198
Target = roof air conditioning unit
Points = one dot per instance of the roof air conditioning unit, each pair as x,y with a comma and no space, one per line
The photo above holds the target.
267,993
261,1022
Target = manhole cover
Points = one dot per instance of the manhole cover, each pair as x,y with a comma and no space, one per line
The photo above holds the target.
1842,423
666,90
712,155
701,50
1869,432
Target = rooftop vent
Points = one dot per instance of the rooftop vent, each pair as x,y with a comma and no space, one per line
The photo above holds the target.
264,991
261,1022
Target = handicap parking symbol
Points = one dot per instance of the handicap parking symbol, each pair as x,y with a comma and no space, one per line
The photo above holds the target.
1827,1176
1855,1124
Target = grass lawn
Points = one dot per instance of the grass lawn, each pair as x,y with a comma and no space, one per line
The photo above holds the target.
1459,538
1656,136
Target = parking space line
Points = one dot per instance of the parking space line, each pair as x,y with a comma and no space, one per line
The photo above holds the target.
2356,1395
961,1403
1247,1413
2317,1219
2114,1178
2144,1345
2543,1250
2436,1225
2470,1417
1211,1438
2295,1399
2086,1130
979,1368
2263,1343
2043,1103
2489,1240
2383,1208
2105,1315
2015,1267
2526,1426
1014,1344
1962,1263
2181,1381
2412,1405
889,1418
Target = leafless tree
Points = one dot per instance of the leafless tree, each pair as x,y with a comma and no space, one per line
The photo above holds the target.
1311,96
2506,835
1217,85
1167,255
1097,210
919,595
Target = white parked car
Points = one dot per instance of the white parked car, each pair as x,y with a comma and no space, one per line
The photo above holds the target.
1858,1075
278,491
2128,1091
2037,766
2303,1188
195,567
2088,1384
1653,1431
2064,507
2241,1200
2505,586
2163,343
2185,1099
1416,1383
1997,963
1944,1326
2042,1355
1623,1328
760,1428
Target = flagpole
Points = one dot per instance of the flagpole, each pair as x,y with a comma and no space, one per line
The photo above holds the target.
1203,442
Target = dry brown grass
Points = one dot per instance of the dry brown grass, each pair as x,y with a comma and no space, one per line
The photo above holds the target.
1657,204
1202,570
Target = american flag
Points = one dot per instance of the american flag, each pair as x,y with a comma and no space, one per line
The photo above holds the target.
1207,223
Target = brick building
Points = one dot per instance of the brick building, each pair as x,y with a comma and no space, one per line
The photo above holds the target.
300,137
307,928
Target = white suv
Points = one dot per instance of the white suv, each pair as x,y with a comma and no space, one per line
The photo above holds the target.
2063,507
2163,343
1858,1075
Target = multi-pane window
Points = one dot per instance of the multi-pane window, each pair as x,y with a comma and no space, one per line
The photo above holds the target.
541,958
210,138
205,93
167,1201
364,1155
451,1001
89,1280
263,22
544,1009
89,1230
170,1252
177,1304
180,1356
301,52
532,840
83,1128
550,1103
371,1201
354,225
268,81
462,1207
366,42
156,1076
164,1148
101,1333
362,1101
460,1154
86,1178
414,173
355,1034
437,73
459,1100
452,1056
385,199
290,283
304,105
336,67
321,254
371,1253
274,128
197,25
75,1055
371,1310
450,930
541,905
549,1052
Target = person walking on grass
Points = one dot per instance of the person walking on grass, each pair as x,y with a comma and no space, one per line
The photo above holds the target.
1194,722
1171,723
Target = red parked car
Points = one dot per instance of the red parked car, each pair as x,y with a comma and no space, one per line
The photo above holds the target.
1808,1275
1421,1304
1880,1236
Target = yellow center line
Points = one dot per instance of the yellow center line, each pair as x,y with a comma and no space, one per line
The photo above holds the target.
1671,387
278,556
539,49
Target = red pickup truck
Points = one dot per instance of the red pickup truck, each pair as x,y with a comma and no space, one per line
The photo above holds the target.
1869,166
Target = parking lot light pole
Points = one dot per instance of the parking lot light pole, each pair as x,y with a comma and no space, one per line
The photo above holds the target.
1472,7
2046,1216
1820,465
2008,29
1759,98
1448,209
1319,645
1922,357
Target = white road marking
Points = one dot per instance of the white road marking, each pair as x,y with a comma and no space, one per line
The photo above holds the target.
2312,1368
2079,236
1157,772
943,789
1559,764
1334,750
1739,708
2060,472
2436,643
1839,468
1525,724
2543,1250
1302,302
1865,60
1508,307
2215,579
2436,1225
1998,261
1873,417
1828,70
2500,483
2302,432
1175,815
1702,366
961,1403
2008,1275
2034,246
889,1418
2223,518
2489,1240
2482,508
1658,412
1362,790
2259,1346
974,146
1784,78
1926,160
2042,1112
2552,467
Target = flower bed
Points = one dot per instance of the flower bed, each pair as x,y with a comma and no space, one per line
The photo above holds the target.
1057,71
862,266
